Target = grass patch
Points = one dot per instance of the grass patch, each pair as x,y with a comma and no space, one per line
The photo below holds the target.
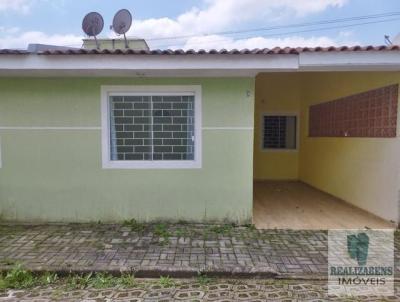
224,229
78,281
184,232
101,280
128,281
161,230
180,233
166,282
134,225
48,278
19,278
204,280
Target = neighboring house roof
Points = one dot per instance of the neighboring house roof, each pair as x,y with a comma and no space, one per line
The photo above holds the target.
13,52
262,51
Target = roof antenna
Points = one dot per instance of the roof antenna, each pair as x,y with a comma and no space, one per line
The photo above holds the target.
122,23
388,41
92,25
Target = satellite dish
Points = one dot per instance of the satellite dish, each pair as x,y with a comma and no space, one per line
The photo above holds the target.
92,25
122,23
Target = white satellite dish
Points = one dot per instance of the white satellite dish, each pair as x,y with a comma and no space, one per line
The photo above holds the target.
122,23
92,25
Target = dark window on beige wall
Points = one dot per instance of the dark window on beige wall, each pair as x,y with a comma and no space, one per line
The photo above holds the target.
368,114
279,132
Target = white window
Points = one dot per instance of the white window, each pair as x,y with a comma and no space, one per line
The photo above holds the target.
151,127
279,132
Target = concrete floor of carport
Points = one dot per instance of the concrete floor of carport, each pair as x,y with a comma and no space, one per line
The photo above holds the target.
295,205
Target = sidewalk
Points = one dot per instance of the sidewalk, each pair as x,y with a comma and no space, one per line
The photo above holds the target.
296,259
179,250
159,249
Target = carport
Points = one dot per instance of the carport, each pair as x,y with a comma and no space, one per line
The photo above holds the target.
326,150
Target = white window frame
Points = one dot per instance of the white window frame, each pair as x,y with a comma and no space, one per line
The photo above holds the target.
123,90
270,113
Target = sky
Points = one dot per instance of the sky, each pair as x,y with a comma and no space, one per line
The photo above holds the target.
204,23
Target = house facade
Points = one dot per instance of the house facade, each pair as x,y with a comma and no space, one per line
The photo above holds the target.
91,135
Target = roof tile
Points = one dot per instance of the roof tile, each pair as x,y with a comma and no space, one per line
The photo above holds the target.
13,52
264,51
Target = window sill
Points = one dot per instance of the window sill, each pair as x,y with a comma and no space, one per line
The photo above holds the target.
280,150
137,165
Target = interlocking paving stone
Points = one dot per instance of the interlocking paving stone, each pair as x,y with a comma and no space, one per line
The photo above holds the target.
189,290
94,247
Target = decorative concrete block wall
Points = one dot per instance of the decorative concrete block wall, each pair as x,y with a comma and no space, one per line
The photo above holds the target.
368,114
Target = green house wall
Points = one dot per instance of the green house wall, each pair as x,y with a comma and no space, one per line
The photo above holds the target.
55,175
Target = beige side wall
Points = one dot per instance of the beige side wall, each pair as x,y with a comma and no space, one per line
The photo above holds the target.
275,93
362,171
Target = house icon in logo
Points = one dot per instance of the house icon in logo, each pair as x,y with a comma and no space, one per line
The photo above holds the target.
357,247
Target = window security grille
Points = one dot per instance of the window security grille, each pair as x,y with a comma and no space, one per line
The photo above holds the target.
152,128
279,132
